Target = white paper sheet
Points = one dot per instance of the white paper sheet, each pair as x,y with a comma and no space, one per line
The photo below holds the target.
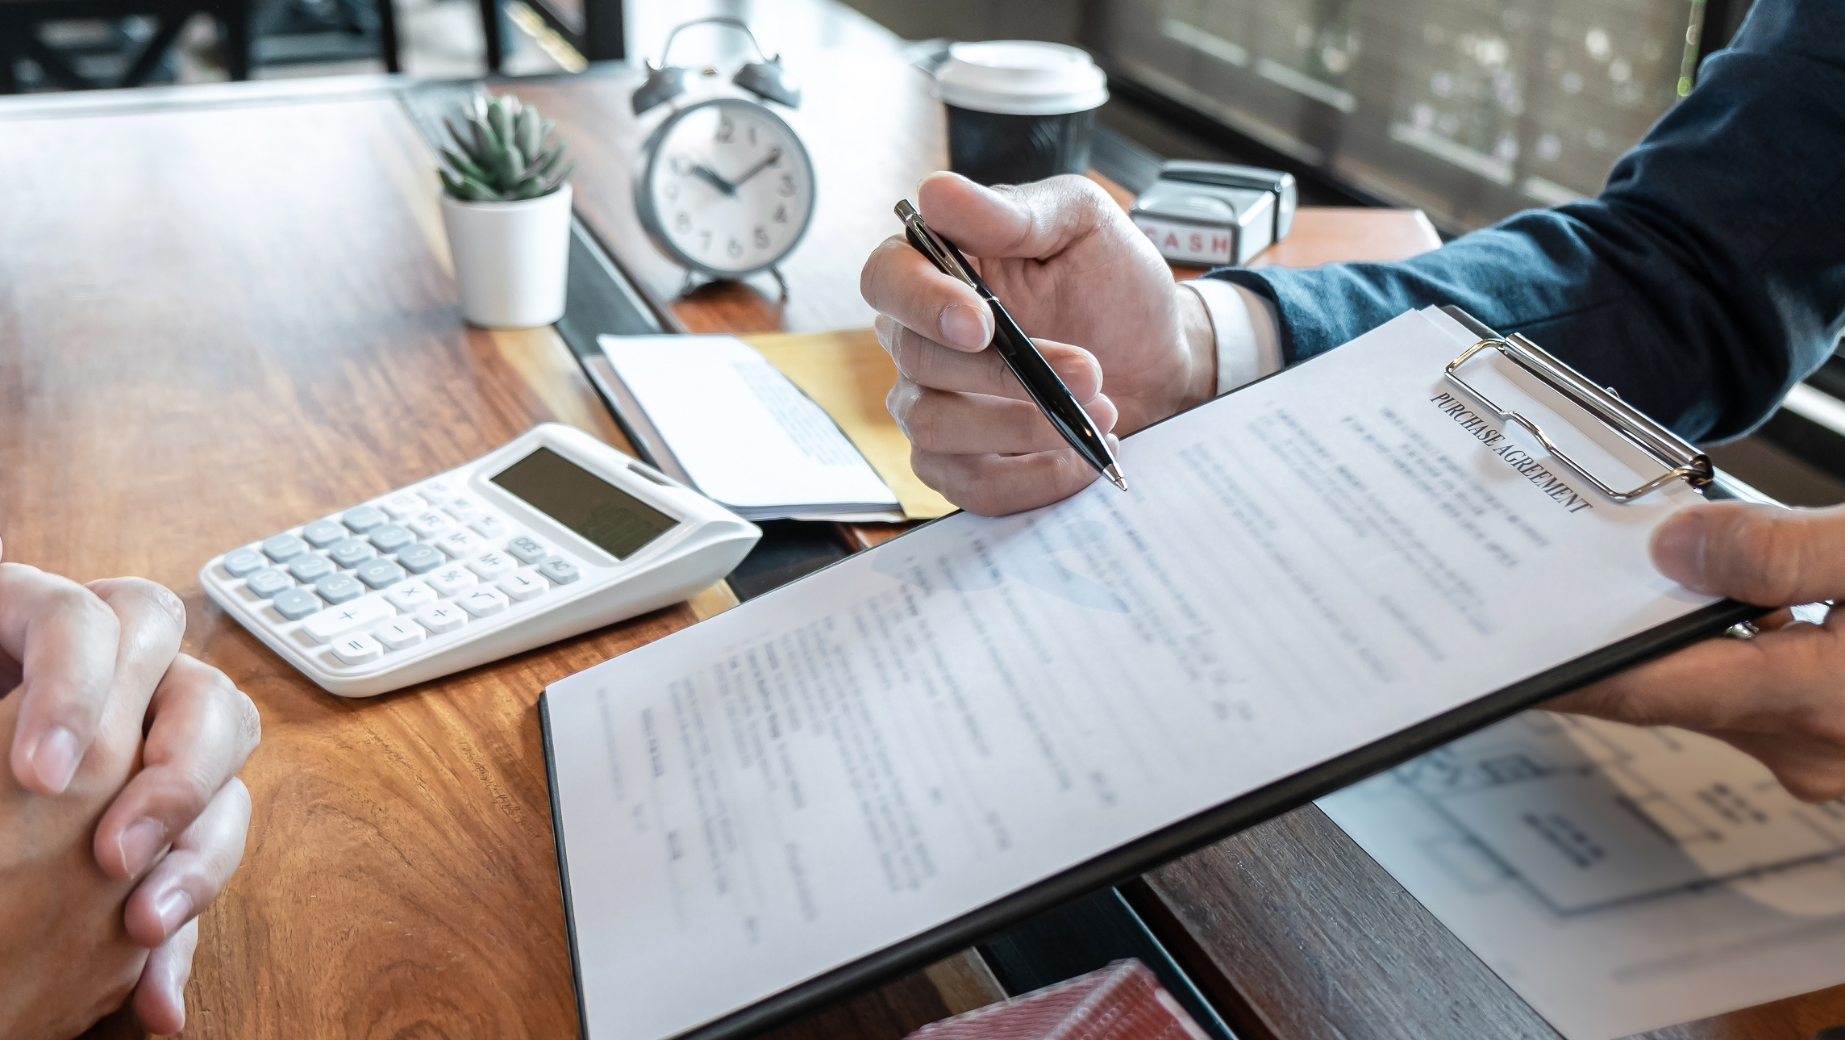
1619,879
1300,569
744,434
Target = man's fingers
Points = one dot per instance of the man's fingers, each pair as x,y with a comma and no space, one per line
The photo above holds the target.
928,363
64,640
994,485
1778,696
898,281
203,730
1036,220
1717,684
190,877
972,424
1766,555
152,622
160,996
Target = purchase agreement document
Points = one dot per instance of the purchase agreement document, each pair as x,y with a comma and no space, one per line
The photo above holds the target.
1298,570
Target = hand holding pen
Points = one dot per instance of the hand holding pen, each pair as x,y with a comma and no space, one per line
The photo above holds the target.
1064,261
1040,380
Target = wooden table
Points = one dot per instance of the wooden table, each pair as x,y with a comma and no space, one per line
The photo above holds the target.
205,339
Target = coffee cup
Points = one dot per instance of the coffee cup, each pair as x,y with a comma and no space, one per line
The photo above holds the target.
1019,110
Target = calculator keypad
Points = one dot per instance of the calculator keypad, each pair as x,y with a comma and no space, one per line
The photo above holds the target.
284,547
350,552
339,588
309,568
386,577
267,582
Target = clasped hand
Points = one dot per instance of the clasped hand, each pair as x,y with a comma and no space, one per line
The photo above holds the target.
1068,263
121,817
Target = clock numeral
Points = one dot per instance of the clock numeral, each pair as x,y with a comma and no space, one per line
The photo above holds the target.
735,248
671,192
682,223
706,244
762,238
727,130
681,165
781,214
786,191
752,136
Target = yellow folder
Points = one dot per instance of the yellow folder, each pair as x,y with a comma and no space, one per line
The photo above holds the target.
848,374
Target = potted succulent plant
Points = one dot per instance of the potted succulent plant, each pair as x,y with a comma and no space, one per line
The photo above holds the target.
506,204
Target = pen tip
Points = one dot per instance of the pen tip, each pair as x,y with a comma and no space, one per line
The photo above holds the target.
1114,473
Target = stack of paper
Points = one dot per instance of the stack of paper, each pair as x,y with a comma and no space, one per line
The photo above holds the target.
735,428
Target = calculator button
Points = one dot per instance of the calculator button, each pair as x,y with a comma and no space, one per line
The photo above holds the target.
483,601
441,617
363,518
357,649
490,565
284,547
451,580
523,585
398,633
527,549
409,595
334,622
436,492
322,533
350,552
379,573
297,603
559,570
240,562
338,588
461,543
420,558
403,504
490,527
310,567
267,582
430,523
390,537
462,508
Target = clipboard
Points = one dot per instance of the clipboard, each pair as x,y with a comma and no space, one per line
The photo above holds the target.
1678,459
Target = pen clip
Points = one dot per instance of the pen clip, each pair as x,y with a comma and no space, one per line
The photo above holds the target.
942,253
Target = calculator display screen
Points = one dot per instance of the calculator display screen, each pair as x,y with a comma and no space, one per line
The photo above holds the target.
584,502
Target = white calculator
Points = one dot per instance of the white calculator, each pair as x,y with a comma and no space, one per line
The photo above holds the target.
553,534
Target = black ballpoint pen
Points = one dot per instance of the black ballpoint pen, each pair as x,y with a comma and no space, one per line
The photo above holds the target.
1040,380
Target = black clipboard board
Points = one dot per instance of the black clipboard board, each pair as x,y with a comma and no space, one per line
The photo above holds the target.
1265,803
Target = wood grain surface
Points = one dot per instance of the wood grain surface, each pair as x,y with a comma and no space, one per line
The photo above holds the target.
205,339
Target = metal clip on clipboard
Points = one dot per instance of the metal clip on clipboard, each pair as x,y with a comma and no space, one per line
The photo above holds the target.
1680,459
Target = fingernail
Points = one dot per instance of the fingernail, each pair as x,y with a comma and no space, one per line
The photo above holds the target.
140,843
173,909
965,326
55,759
1678,550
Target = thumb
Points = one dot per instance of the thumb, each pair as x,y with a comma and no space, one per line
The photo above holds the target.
1770,556
1036,220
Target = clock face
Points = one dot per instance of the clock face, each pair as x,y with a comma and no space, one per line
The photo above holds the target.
728,187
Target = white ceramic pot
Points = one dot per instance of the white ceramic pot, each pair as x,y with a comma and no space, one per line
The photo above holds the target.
511,258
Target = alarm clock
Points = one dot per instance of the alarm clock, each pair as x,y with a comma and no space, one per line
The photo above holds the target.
725,186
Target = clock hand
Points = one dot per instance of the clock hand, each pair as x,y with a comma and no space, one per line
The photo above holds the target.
709,176
773,157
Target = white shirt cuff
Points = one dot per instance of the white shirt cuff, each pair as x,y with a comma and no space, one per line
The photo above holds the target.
1247,330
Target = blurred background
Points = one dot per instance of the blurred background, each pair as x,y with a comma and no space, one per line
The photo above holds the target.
1467,109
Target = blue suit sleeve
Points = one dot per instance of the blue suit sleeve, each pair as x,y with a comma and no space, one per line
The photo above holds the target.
1705,280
